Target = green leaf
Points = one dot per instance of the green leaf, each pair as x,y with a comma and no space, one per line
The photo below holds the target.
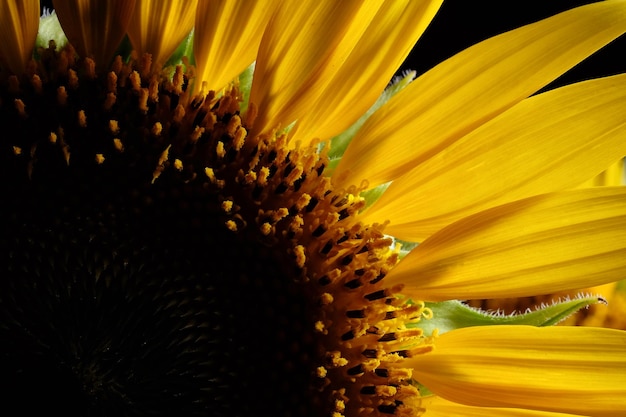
339,143
450,315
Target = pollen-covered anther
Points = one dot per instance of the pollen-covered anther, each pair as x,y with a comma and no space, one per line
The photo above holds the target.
231,225
99,158
326,299
178,80
196,134
61,96
114,126
135,80
17,150
266,229
300,255
219,149
52,137
227,206
111,82
20,107
143,100
335,360
90,68
72,80
156,129
179,113
118,145
178,164
109,101
82,118
35,81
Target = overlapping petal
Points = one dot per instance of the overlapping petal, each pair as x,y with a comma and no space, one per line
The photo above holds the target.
549,142
226,38
19,21
472,87
303,46
159,26
439,407
95,28
543,244
363,76
555,369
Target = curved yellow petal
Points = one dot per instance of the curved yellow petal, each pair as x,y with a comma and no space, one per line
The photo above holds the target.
367,71
159,26
576,370
439,407
19,21
95,28
549,142
544,244
303,46
226,38
472,87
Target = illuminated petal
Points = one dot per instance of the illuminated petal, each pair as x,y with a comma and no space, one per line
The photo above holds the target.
572,370
367,71
19,21
226,38
547,143
472,87
543,244
159,26
305,43
95,28
438,407
613,175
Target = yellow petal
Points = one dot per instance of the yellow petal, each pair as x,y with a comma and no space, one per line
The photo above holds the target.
572,370
367,71
95,28
159,26
438,407
472,87
303,46
613,175
547,143
544,244
19,21
226,38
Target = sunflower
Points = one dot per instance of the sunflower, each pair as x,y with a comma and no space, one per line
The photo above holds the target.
181,237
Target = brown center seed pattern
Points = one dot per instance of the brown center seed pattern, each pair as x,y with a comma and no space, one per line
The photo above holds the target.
159,259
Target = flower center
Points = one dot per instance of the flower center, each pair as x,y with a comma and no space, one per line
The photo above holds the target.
159,261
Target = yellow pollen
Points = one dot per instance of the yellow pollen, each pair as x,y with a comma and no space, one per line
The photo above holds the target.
326,299
99,158
82,118
156,129
119,146
231,225
227,206
219,149
17,150
299,252
178,164
52,137
20,107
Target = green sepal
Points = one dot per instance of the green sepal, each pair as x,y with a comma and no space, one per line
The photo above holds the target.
339,143
184,50
245,85
450,315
